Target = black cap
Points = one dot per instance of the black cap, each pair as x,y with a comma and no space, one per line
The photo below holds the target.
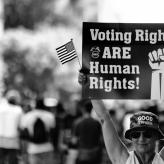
143,121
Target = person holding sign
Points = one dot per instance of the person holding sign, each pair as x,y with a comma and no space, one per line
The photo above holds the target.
143,133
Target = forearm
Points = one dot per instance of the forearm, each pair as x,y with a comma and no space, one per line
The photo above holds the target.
162,86
104,116
100,109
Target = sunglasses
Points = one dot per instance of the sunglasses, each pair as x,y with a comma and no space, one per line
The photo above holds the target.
146,134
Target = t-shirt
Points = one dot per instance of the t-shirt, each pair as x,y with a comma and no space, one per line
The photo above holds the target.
88,130
133,159
10,116
29,121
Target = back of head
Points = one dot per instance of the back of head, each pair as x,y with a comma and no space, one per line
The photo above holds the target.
40,104
13,97
86,104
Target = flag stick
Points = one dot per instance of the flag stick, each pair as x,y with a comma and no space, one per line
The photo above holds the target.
77,56
78,61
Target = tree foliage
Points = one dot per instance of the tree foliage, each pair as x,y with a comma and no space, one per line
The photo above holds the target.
26,13
46,22
24,74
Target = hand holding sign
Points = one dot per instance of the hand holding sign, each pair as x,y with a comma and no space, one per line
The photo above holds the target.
83,76
156,62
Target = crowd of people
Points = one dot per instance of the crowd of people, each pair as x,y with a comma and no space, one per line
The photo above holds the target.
144,133
36,134
41,134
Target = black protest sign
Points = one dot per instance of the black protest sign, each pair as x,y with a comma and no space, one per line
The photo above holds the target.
125,61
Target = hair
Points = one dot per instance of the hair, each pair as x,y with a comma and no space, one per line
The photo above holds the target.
13,97
86,104
40,104
12,101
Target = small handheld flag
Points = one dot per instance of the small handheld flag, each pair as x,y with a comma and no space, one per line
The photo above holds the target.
66,52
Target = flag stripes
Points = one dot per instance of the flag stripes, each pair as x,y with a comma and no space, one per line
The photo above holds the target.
66,52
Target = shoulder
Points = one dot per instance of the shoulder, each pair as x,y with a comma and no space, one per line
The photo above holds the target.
161,153
29,114
158,159
47,117
49,114
18,109
130,158
124,158
78,121
26,119
96,123
14,108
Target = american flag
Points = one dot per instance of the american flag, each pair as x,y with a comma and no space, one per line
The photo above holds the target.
66,52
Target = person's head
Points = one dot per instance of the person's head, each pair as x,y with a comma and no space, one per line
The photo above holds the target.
85,106
144,132
13,97
40,104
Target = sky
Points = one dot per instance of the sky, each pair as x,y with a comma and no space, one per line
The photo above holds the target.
131,11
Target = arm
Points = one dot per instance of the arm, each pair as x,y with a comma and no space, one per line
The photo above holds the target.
117,151
162,153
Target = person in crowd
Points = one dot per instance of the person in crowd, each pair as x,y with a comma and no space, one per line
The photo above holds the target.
10,115
69,116
37,129
161,120
87,135
144,131
59,116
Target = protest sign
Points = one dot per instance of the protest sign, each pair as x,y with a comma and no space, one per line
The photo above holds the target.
125,61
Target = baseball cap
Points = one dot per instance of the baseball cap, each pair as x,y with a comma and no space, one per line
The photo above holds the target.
144,121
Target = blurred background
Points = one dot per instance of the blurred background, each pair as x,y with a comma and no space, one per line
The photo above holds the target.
30,32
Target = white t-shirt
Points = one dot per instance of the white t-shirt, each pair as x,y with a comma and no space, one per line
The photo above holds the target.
133,159
10,116
28,121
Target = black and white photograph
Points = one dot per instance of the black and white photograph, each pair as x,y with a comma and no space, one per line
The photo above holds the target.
81,82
